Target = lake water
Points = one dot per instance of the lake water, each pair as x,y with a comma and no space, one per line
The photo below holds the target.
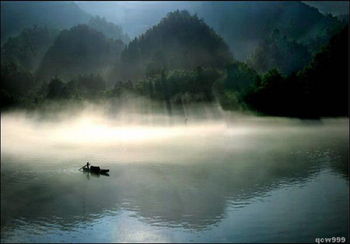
237,180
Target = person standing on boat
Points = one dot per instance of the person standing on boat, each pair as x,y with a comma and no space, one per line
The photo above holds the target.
87,165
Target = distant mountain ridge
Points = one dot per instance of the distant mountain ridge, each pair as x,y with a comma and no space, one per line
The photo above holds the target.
109,29
18,15
243,25
178,41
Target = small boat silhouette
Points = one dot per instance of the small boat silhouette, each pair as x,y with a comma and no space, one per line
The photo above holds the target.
95,170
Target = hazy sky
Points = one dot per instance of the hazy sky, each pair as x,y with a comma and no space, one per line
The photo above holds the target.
138,16
141,15
333,7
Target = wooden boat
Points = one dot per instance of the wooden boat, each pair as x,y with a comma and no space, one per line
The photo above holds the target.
96,170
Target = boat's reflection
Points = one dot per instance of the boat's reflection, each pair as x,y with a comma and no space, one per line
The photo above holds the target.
93,174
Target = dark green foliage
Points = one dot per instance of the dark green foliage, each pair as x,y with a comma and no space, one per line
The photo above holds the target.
178,85
320,89
92,83
28,48
7,99
56,89
86,86
109,29
230,88
242,24
83,87
17,84
327,76
80,50
179,41
269,94
15,80
239,76
324,35
181,60
245,24
279,52
229,99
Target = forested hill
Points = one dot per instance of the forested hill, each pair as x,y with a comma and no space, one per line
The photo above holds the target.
320,89
18,15
79,50
242,24
299,68
245,24
109,29
28,48
277,51
179,41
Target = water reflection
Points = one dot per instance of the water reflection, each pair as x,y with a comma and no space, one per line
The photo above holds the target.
195,195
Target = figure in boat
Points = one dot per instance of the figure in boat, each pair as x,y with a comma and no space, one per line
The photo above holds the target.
87,166
94,169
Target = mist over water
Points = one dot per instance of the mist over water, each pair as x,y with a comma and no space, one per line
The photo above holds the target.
94,132
203,175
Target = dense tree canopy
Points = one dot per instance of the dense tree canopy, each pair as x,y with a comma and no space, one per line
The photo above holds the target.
279,52
79,50
109,29
320,89
179,41
17,84
178,61
28,48
245,24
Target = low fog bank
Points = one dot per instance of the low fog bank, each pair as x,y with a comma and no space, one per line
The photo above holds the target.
143,132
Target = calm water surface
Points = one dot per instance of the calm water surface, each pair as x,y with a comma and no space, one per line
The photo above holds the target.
238,181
